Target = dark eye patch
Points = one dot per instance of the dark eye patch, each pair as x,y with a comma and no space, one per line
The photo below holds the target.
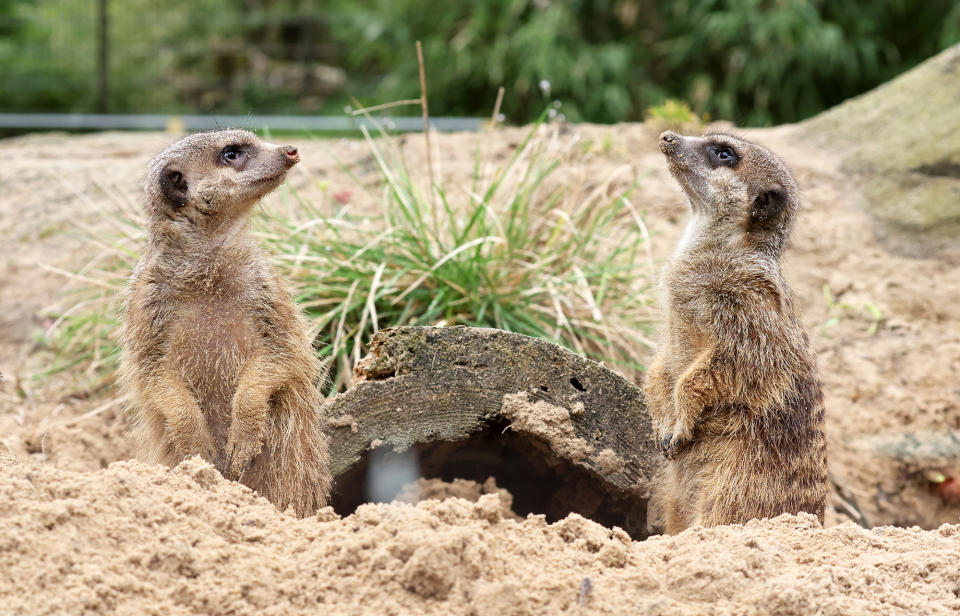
722,155
233,155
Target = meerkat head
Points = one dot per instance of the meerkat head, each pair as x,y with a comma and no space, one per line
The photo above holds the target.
743,191
207,180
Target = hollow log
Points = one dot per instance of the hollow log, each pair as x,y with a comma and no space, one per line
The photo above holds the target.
562,433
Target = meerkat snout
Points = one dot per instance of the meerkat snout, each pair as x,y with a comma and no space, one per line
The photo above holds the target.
667,136
668,143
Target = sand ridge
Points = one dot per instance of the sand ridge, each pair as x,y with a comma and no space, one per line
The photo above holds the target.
139,539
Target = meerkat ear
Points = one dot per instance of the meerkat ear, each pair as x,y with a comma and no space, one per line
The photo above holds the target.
174,186
767,205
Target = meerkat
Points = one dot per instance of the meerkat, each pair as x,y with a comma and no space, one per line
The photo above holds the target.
733,391
216,356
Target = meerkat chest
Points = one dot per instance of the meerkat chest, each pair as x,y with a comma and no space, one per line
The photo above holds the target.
213,337
687,340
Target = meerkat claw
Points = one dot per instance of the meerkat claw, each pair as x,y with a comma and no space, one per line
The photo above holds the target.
238,459
668,446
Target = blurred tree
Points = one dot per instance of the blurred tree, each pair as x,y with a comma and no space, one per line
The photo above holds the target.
763,61
752,61
41,70
579,48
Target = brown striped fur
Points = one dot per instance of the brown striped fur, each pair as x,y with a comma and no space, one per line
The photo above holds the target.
216,356
733,391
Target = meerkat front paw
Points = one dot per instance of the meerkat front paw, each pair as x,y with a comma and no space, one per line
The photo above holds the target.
682,430
666,447
669,445
667,441
196,445
239,454
244,441
247,429
686,412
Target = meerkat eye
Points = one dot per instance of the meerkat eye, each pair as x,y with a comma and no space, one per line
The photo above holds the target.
232,154
722,155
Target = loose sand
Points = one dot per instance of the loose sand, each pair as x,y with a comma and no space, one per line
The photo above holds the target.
137,539
83,532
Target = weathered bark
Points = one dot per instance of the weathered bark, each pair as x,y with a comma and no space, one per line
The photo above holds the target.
424,385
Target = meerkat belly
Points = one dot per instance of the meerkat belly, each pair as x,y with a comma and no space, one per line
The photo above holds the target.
747,465
214,340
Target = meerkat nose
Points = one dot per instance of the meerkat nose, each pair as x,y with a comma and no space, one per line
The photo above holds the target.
670,143
291,153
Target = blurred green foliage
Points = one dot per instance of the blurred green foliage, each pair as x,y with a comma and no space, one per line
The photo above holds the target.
751,61
674,114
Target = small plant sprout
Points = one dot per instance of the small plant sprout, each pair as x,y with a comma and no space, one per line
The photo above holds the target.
866,311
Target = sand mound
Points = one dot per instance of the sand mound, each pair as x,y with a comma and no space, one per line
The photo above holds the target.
143,540
139,539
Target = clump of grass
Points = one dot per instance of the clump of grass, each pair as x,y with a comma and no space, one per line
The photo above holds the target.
509,251
513,248
83,326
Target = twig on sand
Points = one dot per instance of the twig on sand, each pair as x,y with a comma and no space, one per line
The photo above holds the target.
495,117
849,502
94,412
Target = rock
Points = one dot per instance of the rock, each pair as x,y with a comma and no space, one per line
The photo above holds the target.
901,144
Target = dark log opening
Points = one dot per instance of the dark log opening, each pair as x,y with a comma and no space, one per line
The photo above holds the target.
539,480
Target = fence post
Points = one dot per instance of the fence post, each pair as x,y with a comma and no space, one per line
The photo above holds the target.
102,57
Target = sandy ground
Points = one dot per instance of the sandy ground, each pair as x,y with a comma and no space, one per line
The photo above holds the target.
136,539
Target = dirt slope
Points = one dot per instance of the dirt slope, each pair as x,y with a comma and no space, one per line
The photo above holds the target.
135,539
144,540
